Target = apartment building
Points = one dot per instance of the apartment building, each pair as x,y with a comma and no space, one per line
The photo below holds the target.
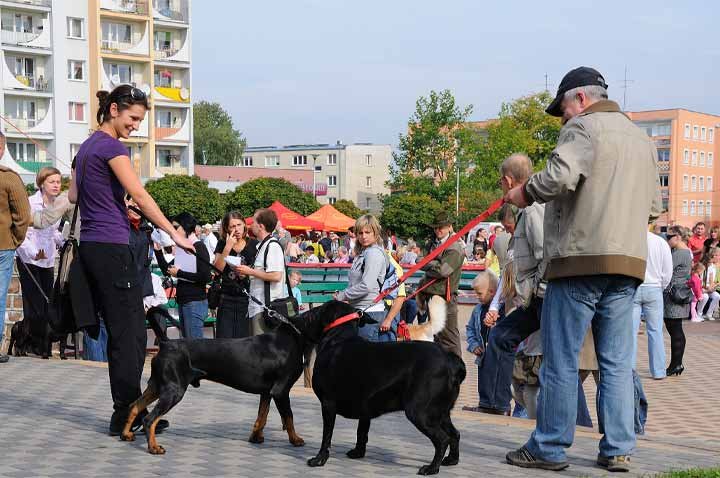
687,151
357,172
56,54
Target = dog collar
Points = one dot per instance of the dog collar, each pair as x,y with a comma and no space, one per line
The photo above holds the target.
341,320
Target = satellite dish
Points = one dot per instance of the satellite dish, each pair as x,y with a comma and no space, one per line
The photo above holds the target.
115,78
184,94
145,89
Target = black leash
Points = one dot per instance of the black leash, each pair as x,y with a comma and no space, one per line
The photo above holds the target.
268,310
32,276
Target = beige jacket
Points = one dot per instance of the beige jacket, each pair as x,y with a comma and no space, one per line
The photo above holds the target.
600,184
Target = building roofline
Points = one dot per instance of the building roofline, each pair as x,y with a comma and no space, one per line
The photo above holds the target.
675,109
306,147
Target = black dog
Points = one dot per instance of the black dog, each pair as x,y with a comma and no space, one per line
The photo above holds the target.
363,380
267,365
22,341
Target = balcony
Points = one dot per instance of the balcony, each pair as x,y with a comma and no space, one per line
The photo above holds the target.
172,125
125,38
132,7
170,10
172,160
33,117
165,93
34,166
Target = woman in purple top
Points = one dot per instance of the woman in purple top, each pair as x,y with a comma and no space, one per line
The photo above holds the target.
102,174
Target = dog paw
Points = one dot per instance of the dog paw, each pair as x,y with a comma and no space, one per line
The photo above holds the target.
256,438
319,460
428,470
356,453
450,460
156,450
130,436
297,442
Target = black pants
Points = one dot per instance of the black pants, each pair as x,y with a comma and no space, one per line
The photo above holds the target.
116,293
35,307
232,318
677,341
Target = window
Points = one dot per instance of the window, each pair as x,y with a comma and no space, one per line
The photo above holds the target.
119,73
74,148
702,159
332,160
116,35
709,183
332,200
663,154
76,112
692,208
247,161
696,131
701,184
369,160
711,135
685,208
300,160
664,180
686,157
685,182
163,40
165,158
272,161
687,131
703,134
694,158
693,184
665,204
701,208
368,181
164,78
710,160
23,67
22,151
75,28
708,208
367,203
76,70
332,181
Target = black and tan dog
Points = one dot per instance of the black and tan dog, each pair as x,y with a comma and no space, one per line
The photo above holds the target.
363,380
267,365
22,341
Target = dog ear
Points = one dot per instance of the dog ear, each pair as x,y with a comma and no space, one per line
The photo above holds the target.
197,374
365,319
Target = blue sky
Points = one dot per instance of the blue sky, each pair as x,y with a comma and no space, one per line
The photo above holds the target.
312,71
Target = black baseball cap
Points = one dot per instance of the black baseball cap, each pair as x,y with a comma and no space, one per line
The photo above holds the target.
582,76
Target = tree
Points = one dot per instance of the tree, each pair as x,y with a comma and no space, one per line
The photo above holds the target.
409,215
262,192
178,193
216,136
429,147
349,208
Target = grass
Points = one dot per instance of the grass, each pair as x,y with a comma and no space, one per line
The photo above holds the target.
692,473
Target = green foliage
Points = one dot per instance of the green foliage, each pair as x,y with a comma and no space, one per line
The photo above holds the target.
31,188
214,133
430,143
693,473
262,192
175,194
410,215
349,208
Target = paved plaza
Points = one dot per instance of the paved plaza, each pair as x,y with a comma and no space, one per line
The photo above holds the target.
54,419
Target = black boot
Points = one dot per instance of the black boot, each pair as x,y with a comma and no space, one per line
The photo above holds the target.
675,370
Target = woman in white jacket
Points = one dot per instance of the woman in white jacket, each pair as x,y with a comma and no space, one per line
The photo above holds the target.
36,260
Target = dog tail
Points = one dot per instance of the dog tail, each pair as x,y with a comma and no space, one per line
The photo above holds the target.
437,312
158,319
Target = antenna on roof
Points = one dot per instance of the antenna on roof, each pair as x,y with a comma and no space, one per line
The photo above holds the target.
625,83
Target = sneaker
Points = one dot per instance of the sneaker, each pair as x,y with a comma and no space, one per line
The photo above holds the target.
614,463
523,458
4,358
696,319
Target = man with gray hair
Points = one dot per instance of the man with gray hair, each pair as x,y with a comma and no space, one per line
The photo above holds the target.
602,177
524,270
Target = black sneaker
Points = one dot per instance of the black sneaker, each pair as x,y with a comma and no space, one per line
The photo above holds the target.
4,358
523,458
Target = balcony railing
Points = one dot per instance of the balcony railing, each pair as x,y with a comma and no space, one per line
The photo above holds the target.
112,46
39,3
662,143
24,123
19,37
174,15
165,132
165,53
34,166
37,84
137,7
176,94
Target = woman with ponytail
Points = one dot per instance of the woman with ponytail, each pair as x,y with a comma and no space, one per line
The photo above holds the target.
102,174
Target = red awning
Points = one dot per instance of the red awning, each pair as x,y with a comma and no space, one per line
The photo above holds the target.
332,219
291,220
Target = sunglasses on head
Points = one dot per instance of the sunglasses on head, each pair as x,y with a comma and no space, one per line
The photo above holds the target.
136,94
670,236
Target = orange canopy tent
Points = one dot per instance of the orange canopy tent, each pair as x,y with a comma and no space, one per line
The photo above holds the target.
332,219
291,220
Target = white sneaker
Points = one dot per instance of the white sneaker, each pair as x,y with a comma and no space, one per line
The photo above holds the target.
710,317
696,319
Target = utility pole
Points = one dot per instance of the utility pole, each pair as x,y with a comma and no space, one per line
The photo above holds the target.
547,82
625,82
315,156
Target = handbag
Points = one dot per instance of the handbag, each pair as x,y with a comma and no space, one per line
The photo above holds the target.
286,306
681,294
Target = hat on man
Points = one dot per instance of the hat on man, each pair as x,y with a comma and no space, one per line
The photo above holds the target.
582,76
441,219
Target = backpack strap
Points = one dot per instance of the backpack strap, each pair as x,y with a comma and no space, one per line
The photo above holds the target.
266,284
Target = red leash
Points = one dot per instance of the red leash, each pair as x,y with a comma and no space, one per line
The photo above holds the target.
436,252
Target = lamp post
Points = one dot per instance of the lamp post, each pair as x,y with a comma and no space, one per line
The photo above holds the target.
457,188
315,156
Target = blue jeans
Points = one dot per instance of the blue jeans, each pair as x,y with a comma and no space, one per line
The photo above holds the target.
641,405
372,332
649,302
6,268
409,311
571,305
192,317
96,350
496,364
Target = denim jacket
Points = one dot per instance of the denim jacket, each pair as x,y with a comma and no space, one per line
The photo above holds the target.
475,328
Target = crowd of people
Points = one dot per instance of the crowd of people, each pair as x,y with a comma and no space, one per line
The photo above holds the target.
556,304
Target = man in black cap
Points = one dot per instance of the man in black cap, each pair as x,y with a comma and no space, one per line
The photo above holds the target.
602,177
445,270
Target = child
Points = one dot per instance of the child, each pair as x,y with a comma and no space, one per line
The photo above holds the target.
295,278
310,257
695,283
710,283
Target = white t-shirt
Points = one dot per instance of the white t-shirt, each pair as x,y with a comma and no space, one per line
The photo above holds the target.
275,263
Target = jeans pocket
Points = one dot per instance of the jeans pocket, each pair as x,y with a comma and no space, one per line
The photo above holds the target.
623,286
583,290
